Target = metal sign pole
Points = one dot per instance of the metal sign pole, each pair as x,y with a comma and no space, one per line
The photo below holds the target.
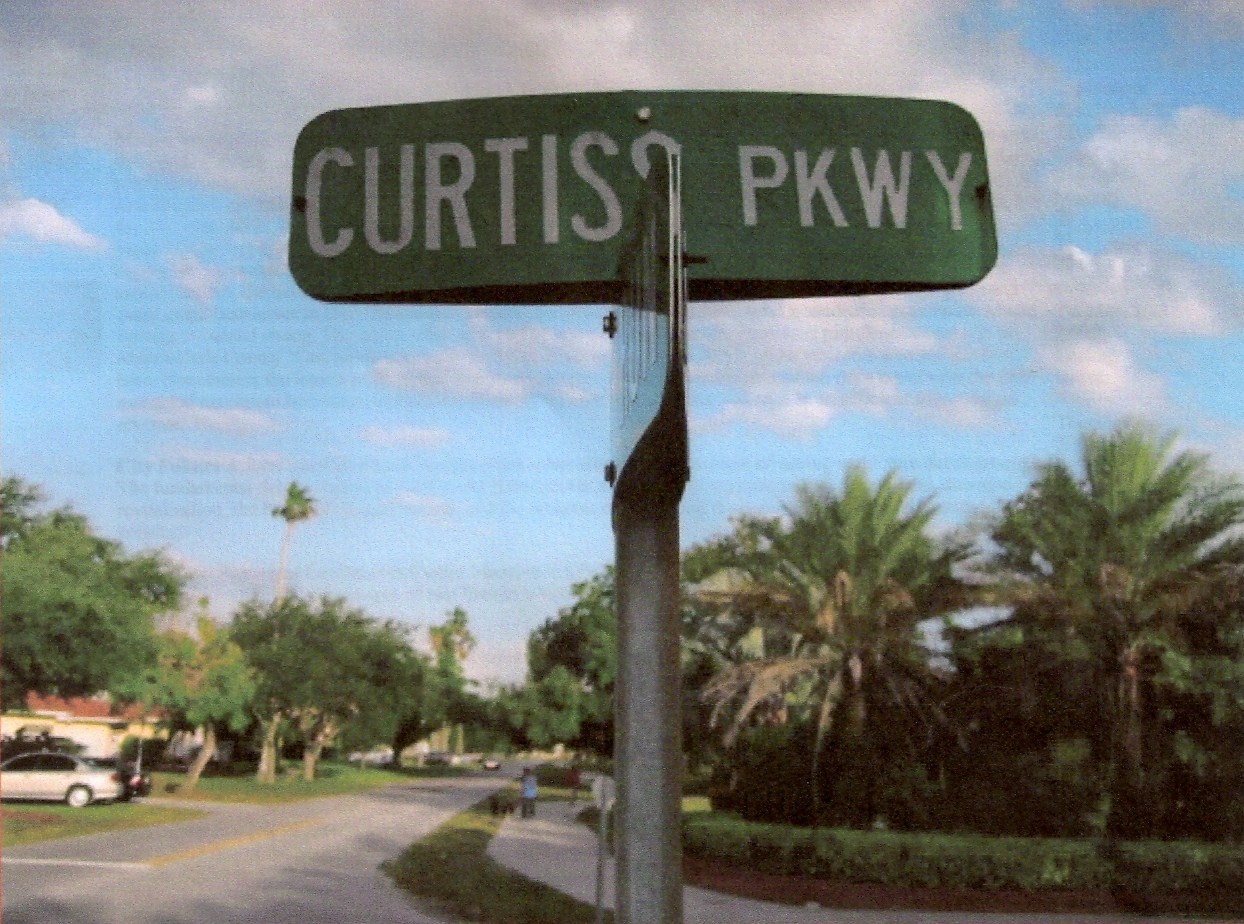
647,745
651,433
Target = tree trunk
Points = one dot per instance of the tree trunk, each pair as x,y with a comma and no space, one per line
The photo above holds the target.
311,757
201,759
1131,814
823,724
283,560
267,754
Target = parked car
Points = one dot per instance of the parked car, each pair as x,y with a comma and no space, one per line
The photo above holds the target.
439,759
48,776
137,782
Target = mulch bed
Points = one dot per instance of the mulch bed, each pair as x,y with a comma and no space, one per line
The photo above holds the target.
799,890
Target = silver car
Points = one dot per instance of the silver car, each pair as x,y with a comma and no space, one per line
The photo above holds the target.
51,777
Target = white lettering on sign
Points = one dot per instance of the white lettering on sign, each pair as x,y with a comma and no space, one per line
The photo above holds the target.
640,146
809,183
952,185
748,155
315,181
613,208
548,189
454,193
875,190
371,200
763,167
882,188
505,147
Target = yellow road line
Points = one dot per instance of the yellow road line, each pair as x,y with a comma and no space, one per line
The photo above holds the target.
229,844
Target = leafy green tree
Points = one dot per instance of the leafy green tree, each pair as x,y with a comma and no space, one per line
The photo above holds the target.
544,712
201,680
581,643
320,664
1109,561
298,506
436,692
839,585
423,700
18,505
78,612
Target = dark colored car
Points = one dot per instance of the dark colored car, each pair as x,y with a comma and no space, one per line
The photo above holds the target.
137,782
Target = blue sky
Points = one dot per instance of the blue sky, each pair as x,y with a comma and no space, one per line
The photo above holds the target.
162,373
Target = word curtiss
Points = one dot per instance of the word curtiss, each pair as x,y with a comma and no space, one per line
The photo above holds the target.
449,182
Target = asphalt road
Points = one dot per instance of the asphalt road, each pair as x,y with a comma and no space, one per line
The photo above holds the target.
313,862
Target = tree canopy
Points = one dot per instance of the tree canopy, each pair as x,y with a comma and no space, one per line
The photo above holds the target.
1110,568
78,611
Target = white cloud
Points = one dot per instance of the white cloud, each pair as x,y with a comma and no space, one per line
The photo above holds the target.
794,411
570,393
1105,377
404,435
1185,172
43,223
534,345
434,510
454,373
1141,288
195,278
174,412
206,95
219,92
963,412
793,415
752,342
492,662
192,458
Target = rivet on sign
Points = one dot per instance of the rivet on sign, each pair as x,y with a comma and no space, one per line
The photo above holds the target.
644,114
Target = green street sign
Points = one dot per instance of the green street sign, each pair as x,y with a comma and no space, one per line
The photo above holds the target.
529,199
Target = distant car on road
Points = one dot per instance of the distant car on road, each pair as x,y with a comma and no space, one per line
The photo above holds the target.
137,782
438,758
48,776
490,763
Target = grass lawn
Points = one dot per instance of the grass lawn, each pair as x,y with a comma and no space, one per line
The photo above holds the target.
450,869
29,823
330,780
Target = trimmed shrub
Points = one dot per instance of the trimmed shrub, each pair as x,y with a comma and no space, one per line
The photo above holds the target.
1184,877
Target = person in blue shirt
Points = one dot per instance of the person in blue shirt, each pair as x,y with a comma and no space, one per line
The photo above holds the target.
527,793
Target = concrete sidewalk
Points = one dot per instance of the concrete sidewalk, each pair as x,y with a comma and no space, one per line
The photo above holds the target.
555,849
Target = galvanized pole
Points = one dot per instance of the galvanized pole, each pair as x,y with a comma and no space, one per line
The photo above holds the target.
648,746
650,432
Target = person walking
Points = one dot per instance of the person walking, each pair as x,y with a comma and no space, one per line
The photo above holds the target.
527,793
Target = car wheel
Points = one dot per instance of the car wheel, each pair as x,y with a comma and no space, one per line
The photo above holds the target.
78,796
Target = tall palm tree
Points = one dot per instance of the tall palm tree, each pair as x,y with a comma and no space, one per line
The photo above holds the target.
843,580
298,506
1108,558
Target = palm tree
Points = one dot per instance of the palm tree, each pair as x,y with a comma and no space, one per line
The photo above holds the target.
298,506
840,584
1108,559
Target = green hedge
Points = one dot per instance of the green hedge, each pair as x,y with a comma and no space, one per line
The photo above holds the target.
1144,876
1177,876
